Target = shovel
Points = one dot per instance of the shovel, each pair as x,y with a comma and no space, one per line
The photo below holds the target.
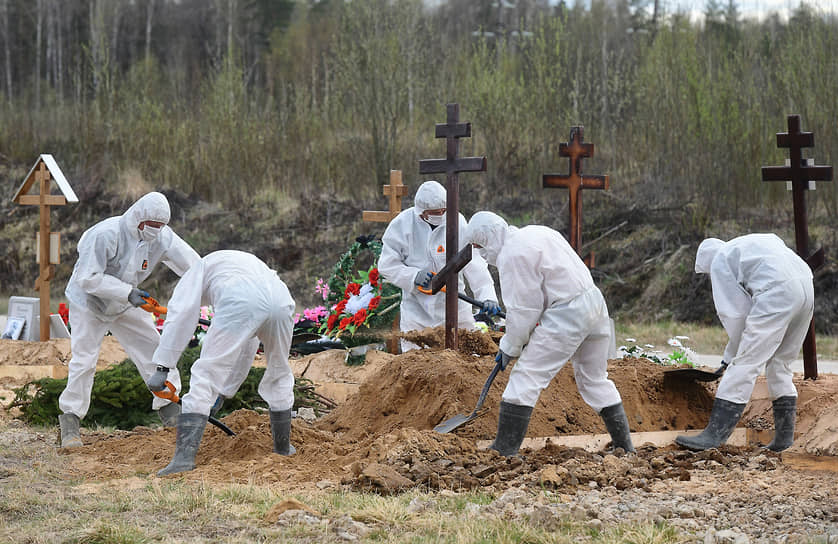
461,419
170,395
696,374
461,296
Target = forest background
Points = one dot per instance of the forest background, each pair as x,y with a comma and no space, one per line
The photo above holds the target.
271,124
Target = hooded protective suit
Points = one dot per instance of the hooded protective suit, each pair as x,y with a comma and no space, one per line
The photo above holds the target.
553,311
251,304
764,297
410,245
113,258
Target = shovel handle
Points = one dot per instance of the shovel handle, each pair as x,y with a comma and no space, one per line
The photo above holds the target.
475,302
486,386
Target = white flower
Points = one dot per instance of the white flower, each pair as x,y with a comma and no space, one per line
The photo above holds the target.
675,342
361,300
631,340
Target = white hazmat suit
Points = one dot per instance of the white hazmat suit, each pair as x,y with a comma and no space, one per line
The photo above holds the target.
411,245
554,312
251,304
764,297
115,257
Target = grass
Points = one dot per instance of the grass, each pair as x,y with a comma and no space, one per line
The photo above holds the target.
702,338
41,504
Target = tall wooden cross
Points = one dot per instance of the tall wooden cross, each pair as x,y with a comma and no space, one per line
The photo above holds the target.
42,173
801,174
396,190
452,130
574,181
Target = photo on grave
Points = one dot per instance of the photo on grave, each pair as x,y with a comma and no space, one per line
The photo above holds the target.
14,326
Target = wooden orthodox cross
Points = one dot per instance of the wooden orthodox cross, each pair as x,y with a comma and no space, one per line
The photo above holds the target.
451,165
800,174
44,171
574,181
396,190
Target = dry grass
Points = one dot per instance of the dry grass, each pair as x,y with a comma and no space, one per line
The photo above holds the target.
41,504
702,339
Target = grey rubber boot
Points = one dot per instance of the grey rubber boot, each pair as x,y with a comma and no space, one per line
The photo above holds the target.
513,421
169,414
723,418
618,427
281,431
70,434
190,431
785,412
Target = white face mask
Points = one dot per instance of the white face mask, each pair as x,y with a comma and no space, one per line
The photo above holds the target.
436,220
149,233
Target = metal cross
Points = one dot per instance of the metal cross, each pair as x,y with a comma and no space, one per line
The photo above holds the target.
451,165
800,172
574,181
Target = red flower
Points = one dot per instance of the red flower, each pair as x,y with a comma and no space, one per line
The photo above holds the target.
341,306
374,277
344,322
352,289
359,317
64,312
330,323
374,303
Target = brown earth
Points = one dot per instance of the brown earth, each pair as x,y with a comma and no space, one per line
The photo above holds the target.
381,437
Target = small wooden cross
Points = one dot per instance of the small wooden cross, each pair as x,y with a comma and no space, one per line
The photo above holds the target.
42,173
800,172
452,130
574,181
396,190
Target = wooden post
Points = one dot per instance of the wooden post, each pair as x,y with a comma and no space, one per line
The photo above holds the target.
574,181
396,190
452,130
799,173
42,173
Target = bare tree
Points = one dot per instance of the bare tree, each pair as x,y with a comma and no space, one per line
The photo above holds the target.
4,14
39,23
148,21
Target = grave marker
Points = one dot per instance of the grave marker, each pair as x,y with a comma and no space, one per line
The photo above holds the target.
396,190
801,174
575,181
452,130
42,173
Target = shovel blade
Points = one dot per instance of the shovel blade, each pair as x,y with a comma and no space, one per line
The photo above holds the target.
450,424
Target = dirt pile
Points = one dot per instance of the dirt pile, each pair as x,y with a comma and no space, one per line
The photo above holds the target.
55,352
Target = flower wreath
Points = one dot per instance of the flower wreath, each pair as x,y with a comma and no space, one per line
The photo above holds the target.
356,297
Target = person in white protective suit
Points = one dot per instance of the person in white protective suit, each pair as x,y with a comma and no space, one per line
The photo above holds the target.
554,312
251,304
764,298
115,256
413,249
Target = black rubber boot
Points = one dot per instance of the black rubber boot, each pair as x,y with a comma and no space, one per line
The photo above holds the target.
70,434
618,427
785,412
513,421
723,418
190,431
169,414
281,431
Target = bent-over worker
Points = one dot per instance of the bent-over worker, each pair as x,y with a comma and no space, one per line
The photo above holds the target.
764,297
115,256
554,312
251,304
413,250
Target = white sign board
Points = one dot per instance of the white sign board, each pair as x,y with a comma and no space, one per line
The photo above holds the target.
28,309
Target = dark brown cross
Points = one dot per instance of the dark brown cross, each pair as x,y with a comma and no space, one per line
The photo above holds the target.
800,172
452,131
574,181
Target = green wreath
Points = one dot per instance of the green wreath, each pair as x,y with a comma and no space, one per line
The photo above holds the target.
350,287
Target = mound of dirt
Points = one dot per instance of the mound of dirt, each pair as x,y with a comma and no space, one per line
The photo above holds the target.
55,352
